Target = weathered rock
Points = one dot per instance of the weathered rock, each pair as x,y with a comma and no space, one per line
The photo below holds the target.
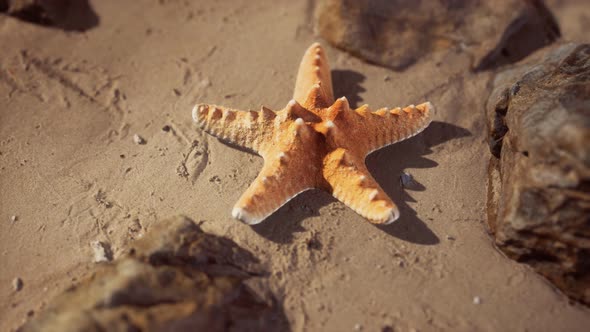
66,14
176,278
539,182
396,33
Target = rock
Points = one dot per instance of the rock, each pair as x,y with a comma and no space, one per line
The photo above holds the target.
66,14
17,284
176,278
407,180
397,33
539,176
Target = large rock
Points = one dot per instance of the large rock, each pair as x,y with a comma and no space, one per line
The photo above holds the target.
397,33
176,278
539,185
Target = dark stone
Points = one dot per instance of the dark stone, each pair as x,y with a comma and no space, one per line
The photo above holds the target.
398,33
539,184
74,15
176,278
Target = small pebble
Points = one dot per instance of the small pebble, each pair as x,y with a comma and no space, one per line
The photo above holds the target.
358,327
476,300
138,139
17,284
387,328
406,179
450,238
101,251
166,128
13,218
386,78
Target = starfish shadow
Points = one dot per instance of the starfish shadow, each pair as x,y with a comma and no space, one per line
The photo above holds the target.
387,166
286,221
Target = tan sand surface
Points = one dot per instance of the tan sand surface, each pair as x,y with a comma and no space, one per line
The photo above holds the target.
71,173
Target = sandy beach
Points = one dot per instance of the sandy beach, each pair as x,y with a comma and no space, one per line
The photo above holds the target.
72,173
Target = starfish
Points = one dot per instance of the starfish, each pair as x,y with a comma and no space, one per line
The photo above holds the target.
314,142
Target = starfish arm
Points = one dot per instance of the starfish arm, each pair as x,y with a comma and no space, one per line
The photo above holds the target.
249,129
385,126
351,183
313,87
279,181
374,130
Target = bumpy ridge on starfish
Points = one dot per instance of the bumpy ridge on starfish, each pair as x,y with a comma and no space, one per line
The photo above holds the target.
249,129
314,142
388,126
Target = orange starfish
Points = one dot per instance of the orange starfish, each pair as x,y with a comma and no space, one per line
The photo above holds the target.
314,142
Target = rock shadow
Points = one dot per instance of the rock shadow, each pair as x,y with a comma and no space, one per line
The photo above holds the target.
535,28
68,15
348,83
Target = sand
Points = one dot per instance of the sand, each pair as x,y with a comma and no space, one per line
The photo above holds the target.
72,173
